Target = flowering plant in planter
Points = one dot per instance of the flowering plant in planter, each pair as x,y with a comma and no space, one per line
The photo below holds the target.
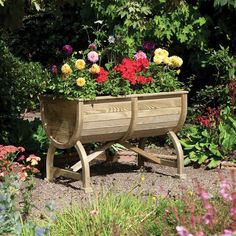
82,74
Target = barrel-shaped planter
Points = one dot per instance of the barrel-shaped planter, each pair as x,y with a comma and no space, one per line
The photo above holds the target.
112,118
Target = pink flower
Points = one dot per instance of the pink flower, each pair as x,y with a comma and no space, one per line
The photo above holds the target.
67,49
204,195
21,158
233,212
23,175
181,231
93,56
140,55
94,213
33,159
224,190
54,69
92,46
208,218
227,232
200,234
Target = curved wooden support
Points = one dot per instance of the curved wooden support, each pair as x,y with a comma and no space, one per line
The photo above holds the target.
85,166
141,145
49,162
133,120
179,153
183,114
77,130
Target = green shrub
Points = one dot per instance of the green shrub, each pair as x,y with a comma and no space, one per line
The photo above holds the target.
21,83
212,140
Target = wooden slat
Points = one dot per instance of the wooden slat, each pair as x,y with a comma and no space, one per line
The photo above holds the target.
157,95
66,173
106,107
159,125
106,124
92,156
152,104
157,119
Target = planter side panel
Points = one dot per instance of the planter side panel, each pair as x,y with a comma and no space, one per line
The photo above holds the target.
157,116
60,117
106,120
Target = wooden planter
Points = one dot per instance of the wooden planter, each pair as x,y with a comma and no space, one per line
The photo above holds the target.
111,120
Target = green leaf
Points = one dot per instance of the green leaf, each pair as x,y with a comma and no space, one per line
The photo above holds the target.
213,163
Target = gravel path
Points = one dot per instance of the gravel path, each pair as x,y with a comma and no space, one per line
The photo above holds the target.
123,176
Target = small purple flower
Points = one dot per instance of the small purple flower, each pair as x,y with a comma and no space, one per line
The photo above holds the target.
54,69
181,231
233,212
227,232
200,234
140,55
67,49
92,46
149,45
224,190
93,56
208,218
204,195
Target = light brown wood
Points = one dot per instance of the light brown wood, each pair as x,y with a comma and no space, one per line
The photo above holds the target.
49,162
85,166
92,156
112,119
180,155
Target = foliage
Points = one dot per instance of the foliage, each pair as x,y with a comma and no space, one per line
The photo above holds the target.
84,78
212,140
109,214
197,213
12,12
194,212
15,183
20,82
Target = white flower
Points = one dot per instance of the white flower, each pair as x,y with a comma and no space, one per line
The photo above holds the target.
98,22
111,39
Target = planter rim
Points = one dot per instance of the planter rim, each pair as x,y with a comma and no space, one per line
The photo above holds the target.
119,96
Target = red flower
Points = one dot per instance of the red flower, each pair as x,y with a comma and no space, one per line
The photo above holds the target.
102,76
130,70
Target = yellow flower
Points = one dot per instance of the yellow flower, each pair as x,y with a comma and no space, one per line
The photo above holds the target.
178,72
161,52
80,64
166,60
157,59
176,61
154,198
158,51
142,178
94,69
80,82
65,69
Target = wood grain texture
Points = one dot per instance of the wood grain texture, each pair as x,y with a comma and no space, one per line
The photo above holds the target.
112,118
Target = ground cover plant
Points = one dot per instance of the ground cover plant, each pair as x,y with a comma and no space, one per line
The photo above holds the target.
194,212
16,185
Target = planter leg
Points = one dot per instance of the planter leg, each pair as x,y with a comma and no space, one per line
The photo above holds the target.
141,145
179,153
85,166
49,162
